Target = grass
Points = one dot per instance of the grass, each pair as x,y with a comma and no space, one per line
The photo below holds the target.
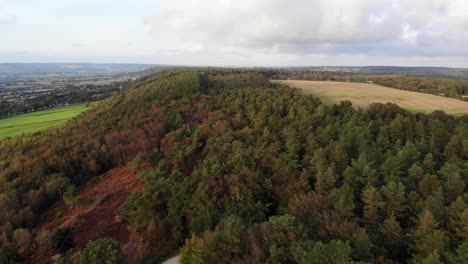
412,110
363,94
36,121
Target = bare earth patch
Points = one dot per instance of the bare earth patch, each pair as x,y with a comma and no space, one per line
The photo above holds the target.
363,94
97,216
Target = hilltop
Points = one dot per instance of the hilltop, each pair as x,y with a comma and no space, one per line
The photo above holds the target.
224,166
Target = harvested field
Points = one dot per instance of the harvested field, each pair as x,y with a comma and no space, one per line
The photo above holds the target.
363,94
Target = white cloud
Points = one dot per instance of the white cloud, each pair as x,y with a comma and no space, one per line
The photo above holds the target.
419,27
237,32
7,19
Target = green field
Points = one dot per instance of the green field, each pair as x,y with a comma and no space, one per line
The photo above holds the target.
32,122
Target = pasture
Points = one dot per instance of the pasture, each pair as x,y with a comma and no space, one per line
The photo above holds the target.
363,94
32,122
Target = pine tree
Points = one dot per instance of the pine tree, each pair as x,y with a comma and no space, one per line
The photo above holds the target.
344,201
461,226
394,197
432,258
460,256
393,239
454,185
373,203
427,237
455,212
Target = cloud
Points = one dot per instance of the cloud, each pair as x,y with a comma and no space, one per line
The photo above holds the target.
237,32
6,19
396,27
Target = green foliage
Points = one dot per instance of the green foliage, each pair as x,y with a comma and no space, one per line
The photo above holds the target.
449,88
70,198
432,258
104,250
277,236
393,239
221,246
460,255
252,172
308,252
361,245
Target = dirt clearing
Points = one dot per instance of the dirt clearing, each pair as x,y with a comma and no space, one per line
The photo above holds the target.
97,216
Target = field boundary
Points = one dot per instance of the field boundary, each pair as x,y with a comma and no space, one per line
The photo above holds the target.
361,95
28,124
39,120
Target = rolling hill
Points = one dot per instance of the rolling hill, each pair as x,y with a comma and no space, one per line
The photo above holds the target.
69,69
223,166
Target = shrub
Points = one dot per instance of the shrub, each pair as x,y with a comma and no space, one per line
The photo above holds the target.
23,239
101,251
71,200
8,254
11,175
61,240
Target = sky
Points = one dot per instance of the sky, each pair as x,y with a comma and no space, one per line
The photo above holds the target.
237,32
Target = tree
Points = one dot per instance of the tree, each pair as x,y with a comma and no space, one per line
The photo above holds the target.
23,239
311,210
9,254
326,178
394,197
361,245
221,246
343,201
415,173
461,226
70,198
454,185
429,185
432,258
277,235
455,212
104,250
393,238
453,150
61,240
373,203
429,162
460,256
427,237
308,252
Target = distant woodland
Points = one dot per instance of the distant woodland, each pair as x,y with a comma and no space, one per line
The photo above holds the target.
453,88
238,170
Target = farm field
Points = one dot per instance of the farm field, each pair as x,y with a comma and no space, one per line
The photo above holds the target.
32,122
363,94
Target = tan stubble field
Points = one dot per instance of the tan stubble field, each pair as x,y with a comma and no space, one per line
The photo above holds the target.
363,94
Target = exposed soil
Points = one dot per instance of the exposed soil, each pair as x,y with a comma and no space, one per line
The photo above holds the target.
97,216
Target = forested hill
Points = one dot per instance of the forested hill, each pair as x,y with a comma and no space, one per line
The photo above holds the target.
235,169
